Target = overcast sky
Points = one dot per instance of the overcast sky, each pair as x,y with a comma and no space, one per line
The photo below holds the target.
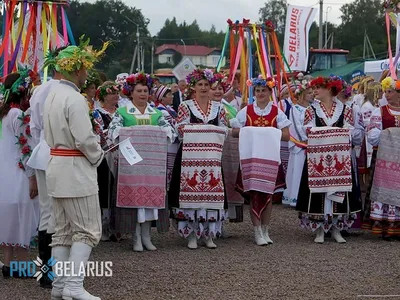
208,12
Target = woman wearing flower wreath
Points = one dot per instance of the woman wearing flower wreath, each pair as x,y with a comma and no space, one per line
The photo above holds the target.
19,207
262,113
89,90
297,142
197,183
317,211
136,113
108,95
217,92
383,217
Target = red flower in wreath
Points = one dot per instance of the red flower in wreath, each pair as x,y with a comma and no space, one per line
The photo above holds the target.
26,150
22,140
318,82
26,119
28,131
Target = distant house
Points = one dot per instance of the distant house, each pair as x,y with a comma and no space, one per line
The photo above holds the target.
200,55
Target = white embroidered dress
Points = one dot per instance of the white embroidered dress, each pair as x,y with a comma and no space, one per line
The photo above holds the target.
201,229
143,214
356,131
19,215
379,210
241,117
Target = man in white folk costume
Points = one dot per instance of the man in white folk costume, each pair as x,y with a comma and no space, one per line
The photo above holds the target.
71,173
39,160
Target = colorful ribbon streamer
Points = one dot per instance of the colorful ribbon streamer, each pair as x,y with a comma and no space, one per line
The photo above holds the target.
71,36
20,32
391,65
221,58
64,24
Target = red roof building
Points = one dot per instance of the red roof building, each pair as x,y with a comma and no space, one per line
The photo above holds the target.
200,55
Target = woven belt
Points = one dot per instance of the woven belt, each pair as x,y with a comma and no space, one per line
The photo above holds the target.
65,152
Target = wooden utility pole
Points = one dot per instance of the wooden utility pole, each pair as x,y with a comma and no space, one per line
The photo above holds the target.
321,17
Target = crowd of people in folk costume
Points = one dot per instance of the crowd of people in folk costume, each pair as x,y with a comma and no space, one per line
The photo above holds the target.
327,151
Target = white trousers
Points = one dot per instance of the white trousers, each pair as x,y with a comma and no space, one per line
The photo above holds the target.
77,220
47,222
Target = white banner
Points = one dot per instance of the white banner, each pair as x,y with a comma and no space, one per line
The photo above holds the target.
184,68
295,48
377,66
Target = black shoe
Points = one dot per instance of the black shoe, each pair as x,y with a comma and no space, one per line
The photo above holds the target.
345,233
328,234
387,238
45,282
7,273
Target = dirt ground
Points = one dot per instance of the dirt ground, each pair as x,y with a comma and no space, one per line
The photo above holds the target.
292,268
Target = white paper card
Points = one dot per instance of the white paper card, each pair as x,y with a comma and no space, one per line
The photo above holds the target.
130,153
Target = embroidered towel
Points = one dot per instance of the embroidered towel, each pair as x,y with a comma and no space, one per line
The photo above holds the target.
143,185
386,183
259,150
202,186
329,160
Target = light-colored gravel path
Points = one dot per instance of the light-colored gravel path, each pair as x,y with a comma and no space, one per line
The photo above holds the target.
293,268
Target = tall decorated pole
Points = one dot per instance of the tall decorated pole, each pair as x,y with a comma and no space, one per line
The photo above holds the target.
27,38
245,41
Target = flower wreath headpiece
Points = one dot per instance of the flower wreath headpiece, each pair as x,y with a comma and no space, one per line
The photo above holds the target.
347,89
93,78
198,75
73,58
332,83
107,89
222,79
20,86
260,81
134,79
302,84
390,83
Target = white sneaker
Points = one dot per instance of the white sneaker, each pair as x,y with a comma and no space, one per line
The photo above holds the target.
259,237
320,236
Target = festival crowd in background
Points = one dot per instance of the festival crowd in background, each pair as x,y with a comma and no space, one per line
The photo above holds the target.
321,147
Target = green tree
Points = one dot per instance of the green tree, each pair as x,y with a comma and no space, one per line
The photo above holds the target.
275,11
172,32
360,17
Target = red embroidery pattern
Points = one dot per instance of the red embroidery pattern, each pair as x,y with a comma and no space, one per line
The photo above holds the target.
22,140
348,115
201,176
309,115
329,160
331,112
